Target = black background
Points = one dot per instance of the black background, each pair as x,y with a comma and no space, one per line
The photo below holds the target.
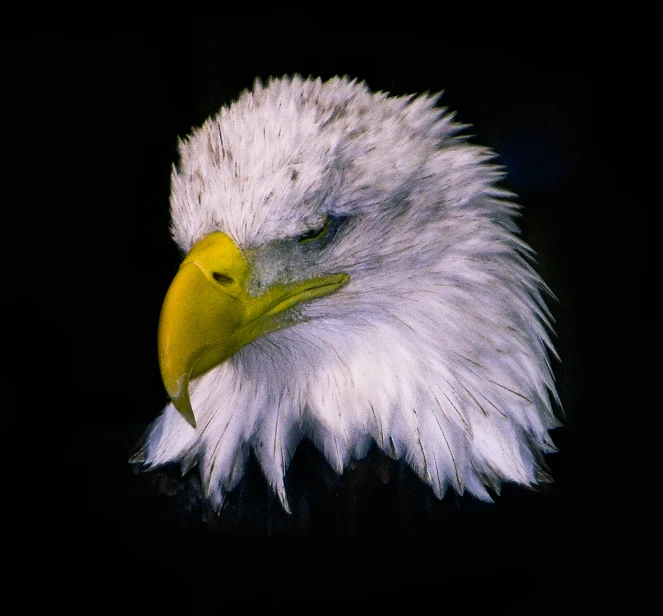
91,128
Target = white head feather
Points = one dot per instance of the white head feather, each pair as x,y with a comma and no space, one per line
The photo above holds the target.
436,350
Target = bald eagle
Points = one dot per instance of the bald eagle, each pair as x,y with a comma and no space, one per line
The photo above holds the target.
353,276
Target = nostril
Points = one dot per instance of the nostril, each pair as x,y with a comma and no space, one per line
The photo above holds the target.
222,278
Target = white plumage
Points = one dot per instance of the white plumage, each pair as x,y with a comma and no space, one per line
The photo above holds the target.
437,348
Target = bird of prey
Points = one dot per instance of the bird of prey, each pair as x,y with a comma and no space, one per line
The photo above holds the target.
353,276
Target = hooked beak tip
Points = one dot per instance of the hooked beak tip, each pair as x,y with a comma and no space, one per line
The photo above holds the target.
179,396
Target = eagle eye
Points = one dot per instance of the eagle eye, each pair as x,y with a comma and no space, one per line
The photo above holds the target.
324,234
314,234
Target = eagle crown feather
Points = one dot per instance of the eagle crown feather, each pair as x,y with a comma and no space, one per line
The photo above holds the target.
437,349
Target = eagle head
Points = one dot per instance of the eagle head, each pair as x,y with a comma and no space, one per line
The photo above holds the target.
354,276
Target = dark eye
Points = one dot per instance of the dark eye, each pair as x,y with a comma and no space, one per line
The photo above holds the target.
322,236
314,234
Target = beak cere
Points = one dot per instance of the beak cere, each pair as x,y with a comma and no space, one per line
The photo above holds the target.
208,315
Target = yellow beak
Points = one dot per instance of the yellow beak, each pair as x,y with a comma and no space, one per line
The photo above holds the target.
208,314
